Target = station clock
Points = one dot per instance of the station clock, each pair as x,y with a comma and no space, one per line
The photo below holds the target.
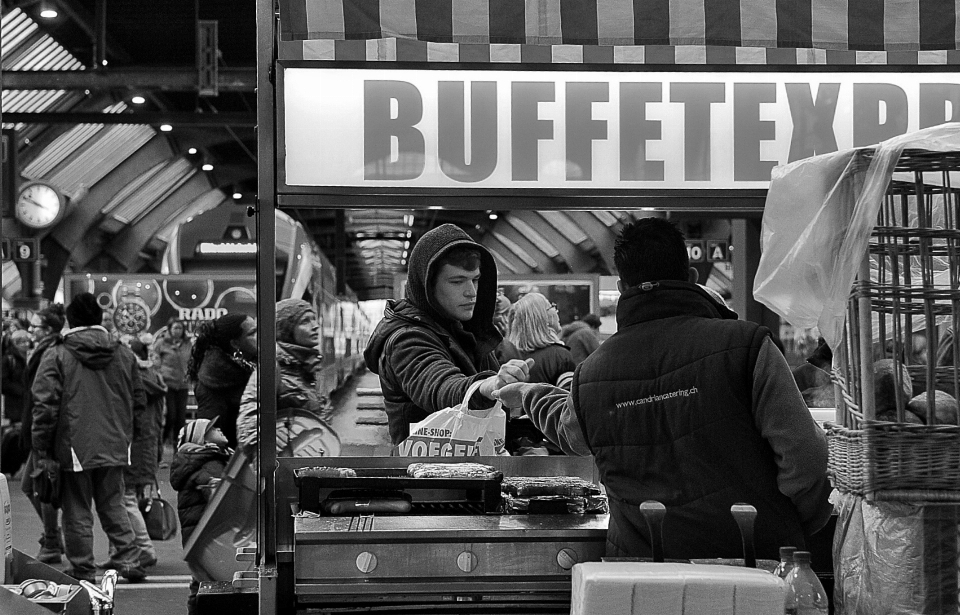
39,205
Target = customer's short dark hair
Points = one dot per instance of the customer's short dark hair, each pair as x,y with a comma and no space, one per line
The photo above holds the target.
651,249
464,257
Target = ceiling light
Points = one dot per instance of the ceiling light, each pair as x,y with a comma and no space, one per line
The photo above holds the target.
165,127
207,166
237,196
192,151
493,216
138,100
48,10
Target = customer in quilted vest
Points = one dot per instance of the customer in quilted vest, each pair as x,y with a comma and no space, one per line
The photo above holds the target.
689,406
298,363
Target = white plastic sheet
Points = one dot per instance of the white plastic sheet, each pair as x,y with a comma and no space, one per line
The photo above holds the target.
817,221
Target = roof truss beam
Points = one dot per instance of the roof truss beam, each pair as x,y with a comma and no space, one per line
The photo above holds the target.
172,79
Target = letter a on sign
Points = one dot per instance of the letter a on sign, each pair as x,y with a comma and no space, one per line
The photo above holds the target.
717,251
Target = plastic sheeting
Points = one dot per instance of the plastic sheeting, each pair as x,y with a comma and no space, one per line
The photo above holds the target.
892,558
817,222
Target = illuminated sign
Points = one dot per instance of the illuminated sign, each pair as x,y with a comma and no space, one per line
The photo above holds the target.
207,247
585,130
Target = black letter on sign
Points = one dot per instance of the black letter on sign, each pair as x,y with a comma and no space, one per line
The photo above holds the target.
697,98
452,130
749,130
636,130
933,103
582,129
869,128
812,121
527,128
380,129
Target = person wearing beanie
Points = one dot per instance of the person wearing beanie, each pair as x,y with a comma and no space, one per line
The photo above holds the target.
88,402
223,357
298,363
440,339
45,326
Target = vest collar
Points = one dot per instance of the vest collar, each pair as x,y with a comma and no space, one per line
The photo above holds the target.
667,298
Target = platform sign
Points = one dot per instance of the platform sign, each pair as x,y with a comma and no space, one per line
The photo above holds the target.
695,251
25,250
718,251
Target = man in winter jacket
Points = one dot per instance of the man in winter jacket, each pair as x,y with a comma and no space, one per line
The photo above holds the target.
689,406
87,395
440,339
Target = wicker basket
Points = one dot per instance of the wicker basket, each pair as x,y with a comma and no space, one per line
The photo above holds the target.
905,306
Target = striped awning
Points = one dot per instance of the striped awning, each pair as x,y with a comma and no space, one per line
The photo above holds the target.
845,25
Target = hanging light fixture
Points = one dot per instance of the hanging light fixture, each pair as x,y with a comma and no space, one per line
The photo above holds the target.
48,10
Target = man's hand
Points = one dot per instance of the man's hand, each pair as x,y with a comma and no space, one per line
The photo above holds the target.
511,395
512,371
50,466
145,492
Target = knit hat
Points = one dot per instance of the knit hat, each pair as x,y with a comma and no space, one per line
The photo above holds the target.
195,431
289,313
84,311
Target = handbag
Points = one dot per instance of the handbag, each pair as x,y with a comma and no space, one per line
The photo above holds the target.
160,517
458,431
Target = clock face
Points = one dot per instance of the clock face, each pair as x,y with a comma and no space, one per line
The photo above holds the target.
38,205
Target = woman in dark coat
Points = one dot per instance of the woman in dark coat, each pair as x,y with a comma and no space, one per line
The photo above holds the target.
298,363
173,350
224,356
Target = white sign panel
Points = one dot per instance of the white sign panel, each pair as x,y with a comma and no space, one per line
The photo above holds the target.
587,130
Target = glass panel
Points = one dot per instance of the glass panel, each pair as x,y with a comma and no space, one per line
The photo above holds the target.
356,261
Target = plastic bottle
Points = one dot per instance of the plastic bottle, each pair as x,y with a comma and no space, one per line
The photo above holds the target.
804,592
786,562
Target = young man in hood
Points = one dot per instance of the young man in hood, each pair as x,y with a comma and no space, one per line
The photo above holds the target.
689,406
88,402
440,339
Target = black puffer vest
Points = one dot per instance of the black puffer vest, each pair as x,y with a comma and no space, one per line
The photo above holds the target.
665,405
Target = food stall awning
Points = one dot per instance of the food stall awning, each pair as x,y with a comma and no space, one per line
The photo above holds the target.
849,25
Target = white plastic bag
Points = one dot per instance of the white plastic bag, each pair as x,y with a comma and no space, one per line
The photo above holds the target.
817,221
458,431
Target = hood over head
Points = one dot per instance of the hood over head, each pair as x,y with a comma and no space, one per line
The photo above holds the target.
92,346
423,263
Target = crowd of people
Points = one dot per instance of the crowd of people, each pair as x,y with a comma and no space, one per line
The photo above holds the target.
685,404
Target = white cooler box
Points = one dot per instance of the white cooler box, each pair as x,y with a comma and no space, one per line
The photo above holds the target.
640,588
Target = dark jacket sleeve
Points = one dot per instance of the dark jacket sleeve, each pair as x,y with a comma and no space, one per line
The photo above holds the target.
799,444
12,380
143,453
424,369
47,392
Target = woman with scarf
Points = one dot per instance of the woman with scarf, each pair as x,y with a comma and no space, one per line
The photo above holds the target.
298,363
224,355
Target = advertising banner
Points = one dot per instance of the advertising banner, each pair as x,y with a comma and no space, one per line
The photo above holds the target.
581,130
